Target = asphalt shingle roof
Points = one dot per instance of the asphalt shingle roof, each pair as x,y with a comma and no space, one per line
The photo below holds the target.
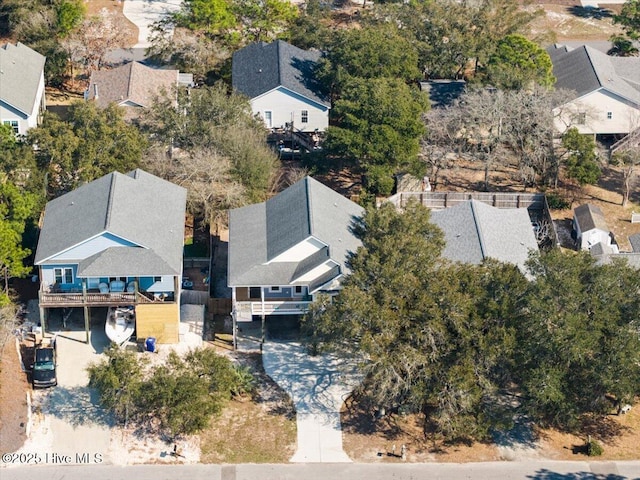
586,69
258,233
474,231
589,217
634,240
132,82
261,67
20,73
138,207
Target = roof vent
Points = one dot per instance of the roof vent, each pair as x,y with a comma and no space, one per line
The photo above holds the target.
259,70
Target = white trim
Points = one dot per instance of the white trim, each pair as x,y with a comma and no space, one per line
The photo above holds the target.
315,102
87,240
275,289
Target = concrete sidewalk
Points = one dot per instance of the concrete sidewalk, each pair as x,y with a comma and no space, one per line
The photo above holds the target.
144,13
318,386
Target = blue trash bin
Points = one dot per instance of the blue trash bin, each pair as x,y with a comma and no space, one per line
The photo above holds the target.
150,344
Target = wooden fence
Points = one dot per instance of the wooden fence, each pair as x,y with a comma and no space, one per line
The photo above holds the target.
439,200
219,306
194,297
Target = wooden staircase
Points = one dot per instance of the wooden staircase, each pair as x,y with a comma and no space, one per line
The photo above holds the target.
632,140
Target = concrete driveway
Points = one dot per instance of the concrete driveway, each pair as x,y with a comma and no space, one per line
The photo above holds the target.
66,419
318,386
144,13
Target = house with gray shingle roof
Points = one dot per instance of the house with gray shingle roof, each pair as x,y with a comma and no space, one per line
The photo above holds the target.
591,228
285,251
22,99
475,231
133,85
606,99
278,79
116,241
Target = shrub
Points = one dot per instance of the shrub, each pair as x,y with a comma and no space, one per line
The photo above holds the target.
594,449
557,201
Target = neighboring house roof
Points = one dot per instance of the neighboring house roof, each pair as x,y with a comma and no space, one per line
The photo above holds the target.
474,231
589,217
585,70
21,69
261,67
130,83
259,233
634,240
139,207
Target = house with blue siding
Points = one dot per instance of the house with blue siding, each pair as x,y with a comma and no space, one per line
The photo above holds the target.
116,241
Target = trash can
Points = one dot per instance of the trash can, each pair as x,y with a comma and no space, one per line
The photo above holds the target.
150,344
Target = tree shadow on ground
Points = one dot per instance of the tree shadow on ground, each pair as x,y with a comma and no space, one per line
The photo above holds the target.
595,13
602,428
545,474
268,392
77,406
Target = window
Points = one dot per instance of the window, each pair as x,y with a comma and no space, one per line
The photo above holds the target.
298,290
304,116
581,118
609,115
13,124
274,289
63,275
157,279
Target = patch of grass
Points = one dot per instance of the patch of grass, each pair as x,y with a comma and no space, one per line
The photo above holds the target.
246,433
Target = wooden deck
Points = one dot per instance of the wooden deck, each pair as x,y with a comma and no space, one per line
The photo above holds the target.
72,299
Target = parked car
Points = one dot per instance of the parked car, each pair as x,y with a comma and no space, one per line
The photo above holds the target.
43,373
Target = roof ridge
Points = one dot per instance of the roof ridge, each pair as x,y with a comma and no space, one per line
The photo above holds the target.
307,190
130,76
279,62
112,188
478,228
588,51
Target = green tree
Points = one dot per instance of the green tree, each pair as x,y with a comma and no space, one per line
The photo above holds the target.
70,14
311,28
629,18
378,126
578,337
581,157
519,63
434,336
263,20
90,143
369,53
213,145
17,207
622,47
212,16
118,379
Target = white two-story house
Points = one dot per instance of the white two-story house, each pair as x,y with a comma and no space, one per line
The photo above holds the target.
22,100
279,80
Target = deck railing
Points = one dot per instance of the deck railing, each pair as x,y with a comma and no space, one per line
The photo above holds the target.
71,299
246,309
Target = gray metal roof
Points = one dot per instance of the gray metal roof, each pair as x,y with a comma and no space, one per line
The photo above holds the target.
138,207
585,69
21,69
590,216
260,67
260,232
634,240
474,231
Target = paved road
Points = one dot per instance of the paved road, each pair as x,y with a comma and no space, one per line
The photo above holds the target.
345,471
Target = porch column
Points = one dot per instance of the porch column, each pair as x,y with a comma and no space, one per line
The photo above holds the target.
234,318
84,290
43,319
87,317
262,316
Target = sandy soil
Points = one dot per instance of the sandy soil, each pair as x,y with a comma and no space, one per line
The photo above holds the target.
94,7
567,20
13,403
